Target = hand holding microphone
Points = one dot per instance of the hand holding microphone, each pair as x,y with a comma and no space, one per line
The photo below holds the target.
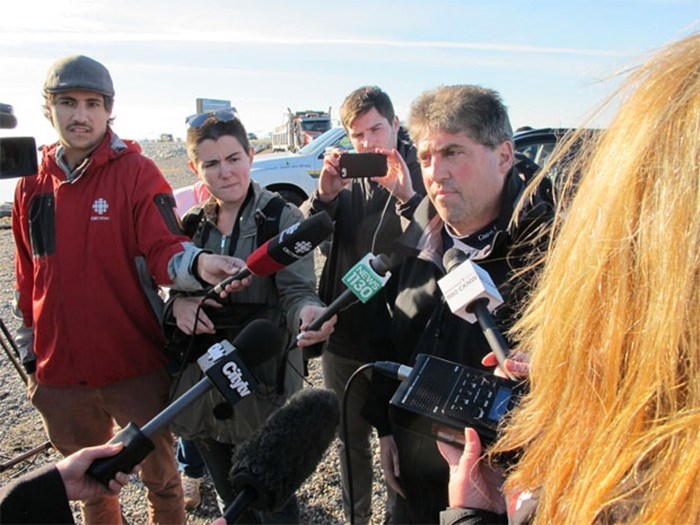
212,267
363,280
472,295
307,316
226,367
290,245
517,364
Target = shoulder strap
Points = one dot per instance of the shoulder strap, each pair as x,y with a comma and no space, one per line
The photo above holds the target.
268,219
190,222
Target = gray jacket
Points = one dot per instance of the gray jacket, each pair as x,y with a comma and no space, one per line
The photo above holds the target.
279,298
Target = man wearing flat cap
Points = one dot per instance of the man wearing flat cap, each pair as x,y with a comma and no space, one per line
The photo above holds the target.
95,233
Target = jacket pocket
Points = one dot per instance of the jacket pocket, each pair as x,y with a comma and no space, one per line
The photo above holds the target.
42,227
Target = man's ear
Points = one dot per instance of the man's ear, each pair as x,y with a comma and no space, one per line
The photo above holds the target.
193,167
505,156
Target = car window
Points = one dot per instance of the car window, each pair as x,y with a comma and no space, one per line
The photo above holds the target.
316,125
345,143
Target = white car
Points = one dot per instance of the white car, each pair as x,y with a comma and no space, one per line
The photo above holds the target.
295,175
7,195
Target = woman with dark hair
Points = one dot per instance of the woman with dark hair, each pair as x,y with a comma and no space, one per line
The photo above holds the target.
231,222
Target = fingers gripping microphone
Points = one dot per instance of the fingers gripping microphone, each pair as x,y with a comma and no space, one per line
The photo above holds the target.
472,295
290,245
363,280
269,467
226,367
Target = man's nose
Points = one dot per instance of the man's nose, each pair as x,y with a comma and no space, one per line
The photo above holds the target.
438,169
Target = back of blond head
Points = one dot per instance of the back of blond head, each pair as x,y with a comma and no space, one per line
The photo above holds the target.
611,428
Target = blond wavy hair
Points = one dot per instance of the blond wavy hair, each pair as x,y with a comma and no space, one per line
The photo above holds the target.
610,431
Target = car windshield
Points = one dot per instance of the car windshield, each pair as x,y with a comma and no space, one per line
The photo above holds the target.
315,125
334,137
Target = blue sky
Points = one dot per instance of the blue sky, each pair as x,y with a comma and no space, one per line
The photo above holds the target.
548,59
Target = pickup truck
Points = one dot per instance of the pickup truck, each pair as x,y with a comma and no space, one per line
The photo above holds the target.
295,175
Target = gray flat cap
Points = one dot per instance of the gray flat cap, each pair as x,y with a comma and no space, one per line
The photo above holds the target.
78,72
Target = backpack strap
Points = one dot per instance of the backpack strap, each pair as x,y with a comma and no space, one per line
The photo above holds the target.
195,226
268,219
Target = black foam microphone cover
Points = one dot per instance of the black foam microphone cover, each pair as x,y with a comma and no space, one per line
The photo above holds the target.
258,341
286,449
452,258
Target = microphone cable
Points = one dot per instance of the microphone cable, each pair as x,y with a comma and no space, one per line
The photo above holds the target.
188,351
345,432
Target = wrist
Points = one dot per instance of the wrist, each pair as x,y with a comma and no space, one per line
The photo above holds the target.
196,270
403,199
326,196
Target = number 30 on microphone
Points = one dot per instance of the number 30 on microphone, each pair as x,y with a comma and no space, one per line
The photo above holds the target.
363,281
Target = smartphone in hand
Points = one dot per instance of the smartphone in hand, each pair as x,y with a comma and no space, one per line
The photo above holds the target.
362,165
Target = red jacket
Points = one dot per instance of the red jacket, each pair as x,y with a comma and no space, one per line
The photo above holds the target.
87,252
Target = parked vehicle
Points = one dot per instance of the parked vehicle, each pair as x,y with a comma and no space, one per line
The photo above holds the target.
299,129
295,175
538,145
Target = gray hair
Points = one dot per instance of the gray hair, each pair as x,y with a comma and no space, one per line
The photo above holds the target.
474,110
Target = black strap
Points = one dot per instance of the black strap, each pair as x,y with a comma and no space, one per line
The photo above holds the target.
268,219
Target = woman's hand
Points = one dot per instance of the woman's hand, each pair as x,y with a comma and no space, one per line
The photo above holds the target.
473,483
186,308
517,365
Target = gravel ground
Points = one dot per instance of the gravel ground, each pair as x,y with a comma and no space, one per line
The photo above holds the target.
22,431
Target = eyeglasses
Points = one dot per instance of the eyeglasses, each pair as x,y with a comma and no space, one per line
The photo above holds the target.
220,115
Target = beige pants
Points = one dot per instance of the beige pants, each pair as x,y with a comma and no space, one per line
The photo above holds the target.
78,417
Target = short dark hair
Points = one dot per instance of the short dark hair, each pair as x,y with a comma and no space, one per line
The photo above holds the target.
363,100
213,129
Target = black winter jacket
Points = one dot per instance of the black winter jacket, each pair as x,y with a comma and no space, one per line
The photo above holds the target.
366,220
423,323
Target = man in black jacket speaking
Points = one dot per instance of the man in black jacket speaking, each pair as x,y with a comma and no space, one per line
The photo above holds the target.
465,148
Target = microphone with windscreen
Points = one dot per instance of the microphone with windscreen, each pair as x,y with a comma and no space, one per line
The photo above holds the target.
273,463
288,246
226,366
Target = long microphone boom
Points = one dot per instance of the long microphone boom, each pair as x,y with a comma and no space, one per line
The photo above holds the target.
226,367
270,466
472,295
290,245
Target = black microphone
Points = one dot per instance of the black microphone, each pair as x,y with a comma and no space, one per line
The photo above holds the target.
471,295
273,463
290,245
226,367
363,280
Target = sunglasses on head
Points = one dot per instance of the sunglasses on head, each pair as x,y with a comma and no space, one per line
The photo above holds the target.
220,115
